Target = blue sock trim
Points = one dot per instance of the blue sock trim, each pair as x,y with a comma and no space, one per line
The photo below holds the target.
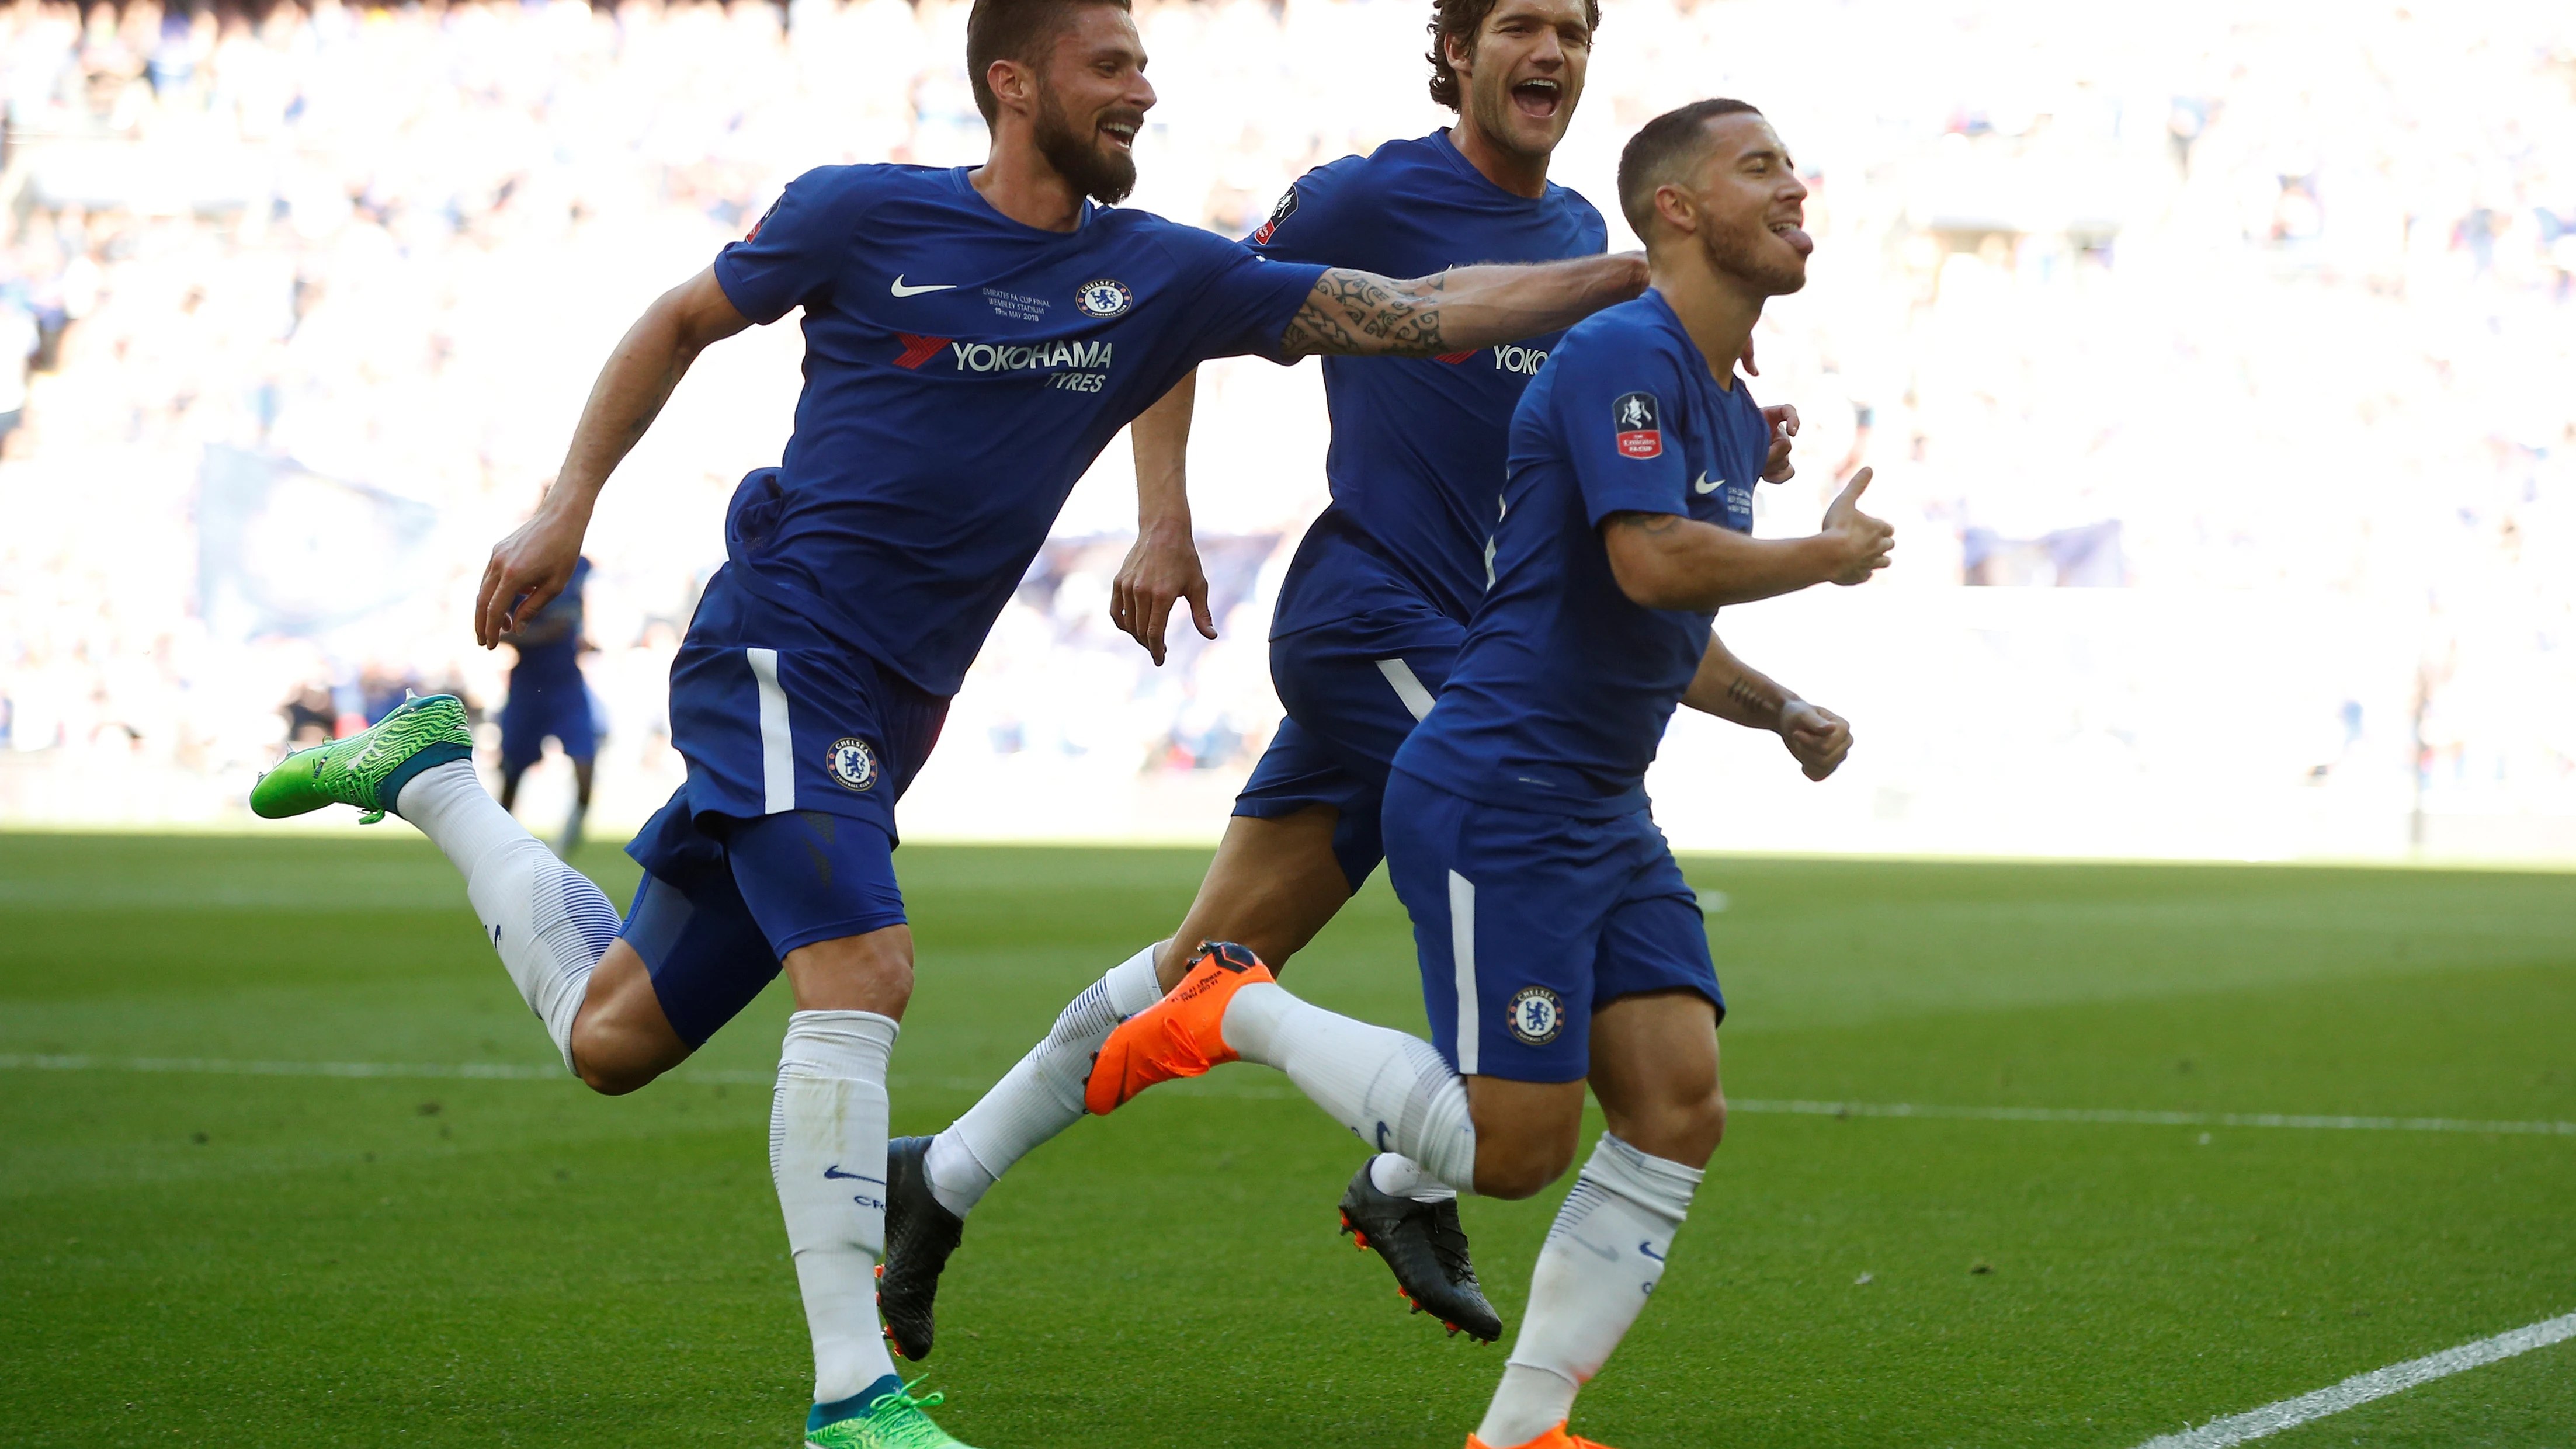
437,754
855,1405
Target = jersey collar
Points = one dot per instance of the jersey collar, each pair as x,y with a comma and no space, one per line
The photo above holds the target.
966,191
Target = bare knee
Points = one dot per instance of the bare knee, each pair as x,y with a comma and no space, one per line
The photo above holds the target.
604,1074
1683,1129
872,972
1516,1166
621,1039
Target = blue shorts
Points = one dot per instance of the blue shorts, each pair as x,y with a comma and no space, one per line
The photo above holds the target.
1353,689
1525,922
724,900
773,715
783,834
535,713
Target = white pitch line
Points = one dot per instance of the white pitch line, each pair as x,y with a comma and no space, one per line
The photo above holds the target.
2151,1119
2362,1388
1220,1087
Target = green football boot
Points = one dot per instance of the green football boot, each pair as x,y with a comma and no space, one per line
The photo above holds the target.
369,768
886,1419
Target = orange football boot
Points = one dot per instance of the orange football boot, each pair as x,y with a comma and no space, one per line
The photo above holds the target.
1555,1438
1178,1036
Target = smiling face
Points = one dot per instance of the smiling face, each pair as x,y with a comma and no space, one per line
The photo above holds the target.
1745,206
1524,73
1090,100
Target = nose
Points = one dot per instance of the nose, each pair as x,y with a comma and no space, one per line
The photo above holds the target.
1796,189
1141,94
1549,53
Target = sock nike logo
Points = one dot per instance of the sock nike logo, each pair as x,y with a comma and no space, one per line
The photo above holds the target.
1649,1250
835,1171
1607,1255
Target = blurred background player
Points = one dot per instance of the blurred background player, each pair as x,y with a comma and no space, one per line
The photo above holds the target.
1368,618
1558,941
550,700
975,337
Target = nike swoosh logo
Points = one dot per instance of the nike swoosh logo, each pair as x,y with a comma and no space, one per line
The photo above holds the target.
1701,484
1607,1255
835,1171
1649,1250
901,290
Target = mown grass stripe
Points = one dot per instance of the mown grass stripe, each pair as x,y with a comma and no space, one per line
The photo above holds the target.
2362,1388
512,1071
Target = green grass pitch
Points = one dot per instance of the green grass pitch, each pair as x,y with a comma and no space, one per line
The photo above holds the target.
195,1258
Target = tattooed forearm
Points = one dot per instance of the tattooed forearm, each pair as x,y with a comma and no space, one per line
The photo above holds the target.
1362,313
1756,696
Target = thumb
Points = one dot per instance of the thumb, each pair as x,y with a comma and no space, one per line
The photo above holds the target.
1199,614
1848,501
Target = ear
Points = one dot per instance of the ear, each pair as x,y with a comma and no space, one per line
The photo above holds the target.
1678,208
1014,84
1460,50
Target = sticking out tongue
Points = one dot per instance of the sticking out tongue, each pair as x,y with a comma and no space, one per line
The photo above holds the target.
1798,240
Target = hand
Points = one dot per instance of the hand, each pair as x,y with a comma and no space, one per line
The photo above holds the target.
1783,419
527,570
1163,566
1817,737
1859,543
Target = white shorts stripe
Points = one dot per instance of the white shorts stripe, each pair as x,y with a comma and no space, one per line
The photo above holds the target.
777,742
1408,686
1462,949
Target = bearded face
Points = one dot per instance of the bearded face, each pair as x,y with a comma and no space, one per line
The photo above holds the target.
1095,156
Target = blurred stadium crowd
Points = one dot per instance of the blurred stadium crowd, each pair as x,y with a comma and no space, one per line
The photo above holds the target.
2245,301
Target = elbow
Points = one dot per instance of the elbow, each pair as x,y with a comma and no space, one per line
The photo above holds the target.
1651,587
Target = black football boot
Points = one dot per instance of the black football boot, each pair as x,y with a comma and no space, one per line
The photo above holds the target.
919,1236
1427,1250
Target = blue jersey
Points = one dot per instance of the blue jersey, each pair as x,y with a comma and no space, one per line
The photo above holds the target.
1418,443
1562,688
961,372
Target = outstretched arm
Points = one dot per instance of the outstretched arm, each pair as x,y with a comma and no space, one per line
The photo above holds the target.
534,563
1164,564
1735,691
1361,314
1667,561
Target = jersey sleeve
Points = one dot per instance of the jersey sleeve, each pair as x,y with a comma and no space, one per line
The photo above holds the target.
796,248
1614,404
1241,301
1312,223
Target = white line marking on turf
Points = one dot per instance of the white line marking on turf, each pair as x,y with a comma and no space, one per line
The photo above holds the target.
1219,1087
2362,1388
2150,1119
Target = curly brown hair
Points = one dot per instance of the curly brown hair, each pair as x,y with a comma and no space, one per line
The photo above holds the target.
1461,19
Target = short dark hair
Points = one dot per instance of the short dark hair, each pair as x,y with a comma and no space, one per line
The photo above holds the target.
1462,19
1017,30
1653,153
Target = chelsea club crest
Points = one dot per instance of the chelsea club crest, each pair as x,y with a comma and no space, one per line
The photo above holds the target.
1535,1015
853,764
1103,298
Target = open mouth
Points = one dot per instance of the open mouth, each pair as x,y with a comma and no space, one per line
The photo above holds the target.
1538,98
1121,134
1795,235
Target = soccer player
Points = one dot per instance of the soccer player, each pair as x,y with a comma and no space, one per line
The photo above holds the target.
1369,617
1557,939
974,337
549,700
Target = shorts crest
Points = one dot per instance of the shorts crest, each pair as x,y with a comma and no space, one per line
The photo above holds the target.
1535,1015
852,763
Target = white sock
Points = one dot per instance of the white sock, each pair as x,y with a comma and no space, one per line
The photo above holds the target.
1392,1090
1603,1256
1397,1175
827,1153
1041,1095
547,921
